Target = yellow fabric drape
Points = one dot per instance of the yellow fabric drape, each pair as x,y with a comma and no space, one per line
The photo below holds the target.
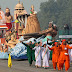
9,61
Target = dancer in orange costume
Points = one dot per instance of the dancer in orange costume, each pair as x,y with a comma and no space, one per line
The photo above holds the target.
55,55
64,56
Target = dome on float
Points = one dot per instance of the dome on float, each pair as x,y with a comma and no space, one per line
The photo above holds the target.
19,6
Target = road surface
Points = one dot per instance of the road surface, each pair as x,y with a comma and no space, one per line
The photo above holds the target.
23,66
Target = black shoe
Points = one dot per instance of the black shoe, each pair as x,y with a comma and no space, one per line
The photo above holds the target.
29,64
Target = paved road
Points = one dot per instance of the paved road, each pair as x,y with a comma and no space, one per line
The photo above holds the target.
23,66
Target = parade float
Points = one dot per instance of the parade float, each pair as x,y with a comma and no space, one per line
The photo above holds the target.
3,27
23,28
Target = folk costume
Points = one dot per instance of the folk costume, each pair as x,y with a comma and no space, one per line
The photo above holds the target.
55,55
64,56
45,57
30,52
37,55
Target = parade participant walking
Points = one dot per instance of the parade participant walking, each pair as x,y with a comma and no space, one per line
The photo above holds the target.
55,55
37,49
45,55
69,51
30,52
64,56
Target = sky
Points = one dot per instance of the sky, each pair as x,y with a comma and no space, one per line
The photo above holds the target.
26,3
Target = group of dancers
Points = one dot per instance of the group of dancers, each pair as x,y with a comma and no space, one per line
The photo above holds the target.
60,55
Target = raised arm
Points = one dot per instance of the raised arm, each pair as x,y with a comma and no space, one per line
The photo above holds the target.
49,43
51,48
69,47
24,44
34,48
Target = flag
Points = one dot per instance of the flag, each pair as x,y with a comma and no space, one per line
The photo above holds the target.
16,21
9,61
13,21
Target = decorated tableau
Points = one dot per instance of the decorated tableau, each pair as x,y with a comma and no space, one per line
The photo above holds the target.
23,28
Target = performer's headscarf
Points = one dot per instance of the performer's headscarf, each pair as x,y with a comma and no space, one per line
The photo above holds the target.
63,40
55,43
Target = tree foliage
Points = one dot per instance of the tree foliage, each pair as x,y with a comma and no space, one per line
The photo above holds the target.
58,11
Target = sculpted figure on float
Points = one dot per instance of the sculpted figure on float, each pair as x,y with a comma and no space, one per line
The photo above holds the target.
12,42
9,18
20,15
2,17
32,10
32,25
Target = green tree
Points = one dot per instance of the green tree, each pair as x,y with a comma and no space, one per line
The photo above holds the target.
59,11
